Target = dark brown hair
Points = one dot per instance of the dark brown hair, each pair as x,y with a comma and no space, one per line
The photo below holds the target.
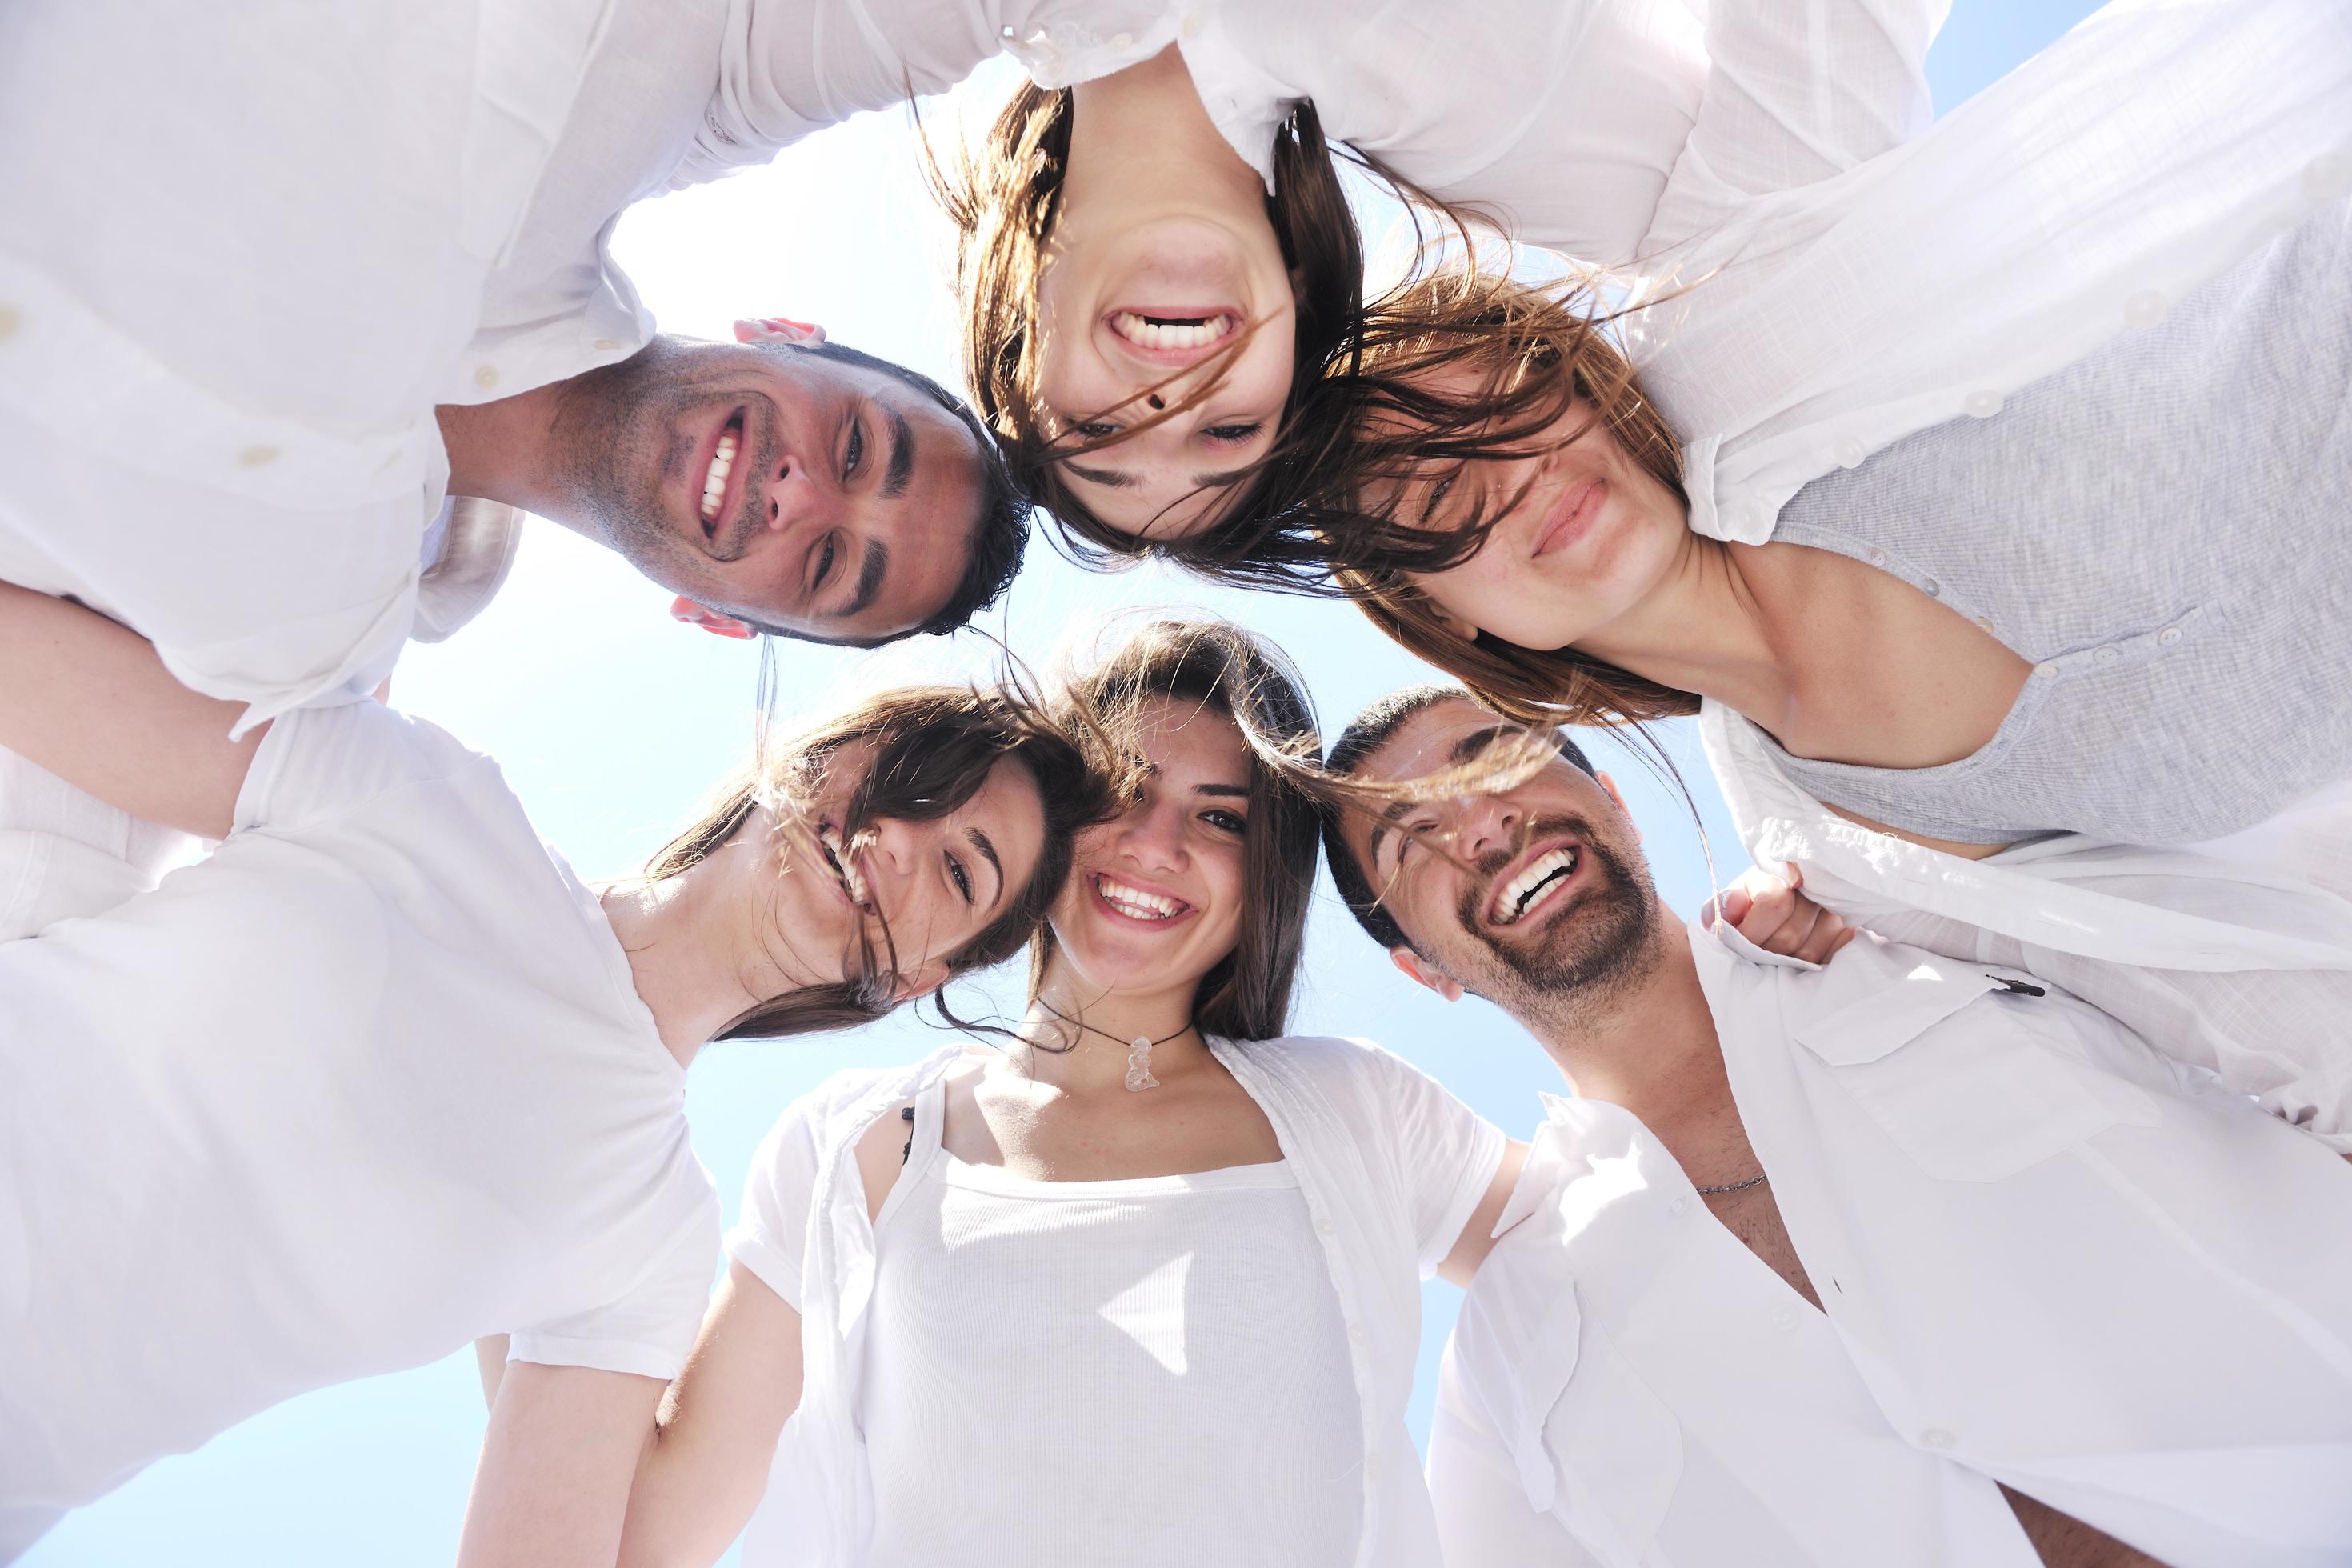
932,748
1246,994
1003,200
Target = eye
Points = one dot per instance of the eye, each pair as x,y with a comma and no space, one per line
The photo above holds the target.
1228,821
1094,429
825,553
854,457
1438,492
962,877
1232,434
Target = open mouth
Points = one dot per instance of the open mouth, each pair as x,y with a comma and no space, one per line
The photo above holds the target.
1174,335
1137,903
845,867
1535,884
720,481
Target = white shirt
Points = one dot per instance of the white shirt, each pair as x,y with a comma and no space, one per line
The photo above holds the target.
1846,287
2047,1257
1188,1341
1390,1166
2234,957
369,1082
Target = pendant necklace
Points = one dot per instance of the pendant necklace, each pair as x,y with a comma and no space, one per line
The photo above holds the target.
1138,1049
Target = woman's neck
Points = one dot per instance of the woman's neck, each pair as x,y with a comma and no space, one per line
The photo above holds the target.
1144,130
690,956
1716,624
1104,1024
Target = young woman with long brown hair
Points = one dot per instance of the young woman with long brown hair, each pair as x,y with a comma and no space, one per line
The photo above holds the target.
379,1076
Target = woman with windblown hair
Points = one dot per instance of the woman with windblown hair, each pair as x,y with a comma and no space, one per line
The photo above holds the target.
381,1076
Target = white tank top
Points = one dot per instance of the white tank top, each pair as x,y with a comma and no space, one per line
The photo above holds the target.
1151,1373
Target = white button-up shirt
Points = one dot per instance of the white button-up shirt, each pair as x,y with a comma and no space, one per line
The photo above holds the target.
1391,1167
2234,957
2047,1257
1843,287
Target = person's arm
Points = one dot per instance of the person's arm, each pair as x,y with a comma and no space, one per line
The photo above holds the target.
1477,1238
552,1486
705,1466
90,701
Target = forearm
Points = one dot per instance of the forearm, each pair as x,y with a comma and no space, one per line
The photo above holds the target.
90,700
552,1486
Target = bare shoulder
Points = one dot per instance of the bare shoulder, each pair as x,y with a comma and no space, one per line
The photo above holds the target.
882,1148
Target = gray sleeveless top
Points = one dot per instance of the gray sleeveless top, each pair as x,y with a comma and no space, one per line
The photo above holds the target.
2163,530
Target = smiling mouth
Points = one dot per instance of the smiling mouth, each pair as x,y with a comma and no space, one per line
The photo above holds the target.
1575,514
1534,885
844,868
717,477
1137,904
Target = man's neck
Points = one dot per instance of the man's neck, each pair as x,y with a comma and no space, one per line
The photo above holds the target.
502,450
1652,1048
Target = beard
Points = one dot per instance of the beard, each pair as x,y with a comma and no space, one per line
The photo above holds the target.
1600,941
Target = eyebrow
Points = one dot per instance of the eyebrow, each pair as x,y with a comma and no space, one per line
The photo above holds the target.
869,580
902,456
1474,745
1231,792
1468,749
1113,479
988,853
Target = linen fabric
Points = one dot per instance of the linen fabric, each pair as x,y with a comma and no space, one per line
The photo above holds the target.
2158,532
2047,1257
2233,956
1390,1167
1185,1339
1816,291
369,1082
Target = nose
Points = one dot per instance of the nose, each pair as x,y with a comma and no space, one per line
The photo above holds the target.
893,850
798,494
1153,837
1484,822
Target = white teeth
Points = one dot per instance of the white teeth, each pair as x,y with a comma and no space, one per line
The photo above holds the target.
845,867
1135,901
1511,903
1149,334
714,483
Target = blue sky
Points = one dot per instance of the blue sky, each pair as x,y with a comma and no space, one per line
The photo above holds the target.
610,722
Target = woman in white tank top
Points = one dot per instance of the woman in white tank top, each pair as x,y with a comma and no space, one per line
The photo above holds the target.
1142,1287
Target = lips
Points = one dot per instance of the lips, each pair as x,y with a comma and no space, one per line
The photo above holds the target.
1133,901
844,864
1535,881
1571,515
1173,334
718,473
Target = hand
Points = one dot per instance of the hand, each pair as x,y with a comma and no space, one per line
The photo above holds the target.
1775,914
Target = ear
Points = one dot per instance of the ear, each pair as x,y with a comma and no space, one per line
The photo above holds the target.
1609,787
1421,973
685,609
778,330
926,979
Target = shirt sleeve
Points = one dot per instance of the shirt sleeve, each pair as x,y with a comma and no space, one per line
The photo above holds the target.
649,1331
772,1232
315,763
1484,1518
1449,1154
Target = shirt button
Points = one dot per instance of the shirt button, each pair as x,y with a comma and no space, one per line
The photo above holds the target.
1322,1226
486,377
2144,308
1677,1207
1984,624
606,345
1192,28
1932,588
1981,405
1356,1332
2045,669
9,320
256,457
1850,454
1784,1318
2329,174
1937,1437
2169,635
1878,558
2108,655
1121,40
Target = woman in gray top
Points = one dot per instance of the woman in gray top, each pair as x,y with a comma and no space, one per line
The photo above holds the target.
2116,606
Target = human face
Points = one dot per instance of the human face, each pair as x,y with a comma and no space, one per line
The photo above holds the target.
774,485
1154,899
1520,895
936,885
1593,536
1149,291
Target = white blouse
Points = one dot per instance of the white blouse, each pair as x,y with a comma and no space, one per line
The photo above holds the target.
2046,1256
1390,1167
2233,957
1171,1346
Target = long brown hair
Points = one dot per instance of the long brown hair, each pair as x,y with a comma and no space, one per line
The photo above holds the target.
1004,199
1224,670
932,748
